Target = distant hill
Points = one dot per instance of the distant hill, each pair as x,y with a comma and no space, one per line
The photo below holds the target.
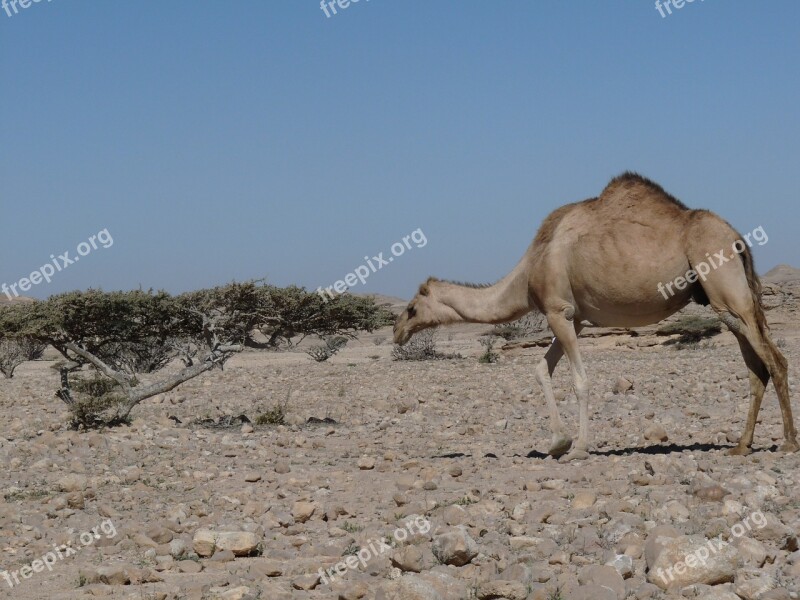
782,274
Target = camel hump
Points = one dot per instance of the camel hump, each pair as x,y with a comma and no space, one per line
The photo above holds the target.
630,185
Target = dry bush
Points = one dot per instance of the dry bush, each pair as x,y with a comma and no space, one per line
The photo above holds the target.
17,350
276,415
530,325
324,351
421,347
11,356
489,356
97,401
32,349
691,329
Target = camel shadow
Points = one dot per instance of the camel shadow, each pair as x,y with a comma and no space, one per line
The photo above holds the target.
647,450
658,449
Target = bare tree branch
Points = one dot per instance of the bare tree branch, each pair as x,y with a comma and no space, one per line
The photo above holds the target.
124,380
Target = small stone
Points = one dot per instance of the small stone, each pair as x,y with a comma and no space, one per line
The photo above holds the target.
241,543
623,565
655,433
160,535
73,483
510,590
302,511
223,556
355,591
204,543
76,500
409,587
584,500
178,549
711,493
621,385
306,582
366,463
223,593
687,560
455,547
189,566
603,576
407,558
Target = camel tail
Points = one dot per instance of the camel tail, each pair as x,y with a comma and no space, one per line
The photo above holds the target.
754,283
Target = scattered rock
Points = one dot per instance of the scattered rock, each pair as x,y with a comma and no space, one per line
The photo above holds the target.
454,547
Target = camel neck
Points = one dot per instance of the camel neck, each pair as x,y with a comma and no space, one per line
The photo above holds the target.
502,302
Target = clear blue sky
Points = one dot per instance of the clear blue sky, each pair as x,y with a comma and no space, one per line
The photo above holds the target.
221,141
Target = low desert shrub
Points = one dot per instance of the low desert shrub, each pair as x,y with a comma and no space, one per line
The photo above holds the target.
691,329
274,416
489,356
528,326
421,347
11,356
277,414
96,401
324,351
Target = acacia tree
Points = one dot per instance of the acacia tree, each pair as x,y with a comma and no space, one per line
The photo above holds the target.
289,315
15,349
286,316
124,335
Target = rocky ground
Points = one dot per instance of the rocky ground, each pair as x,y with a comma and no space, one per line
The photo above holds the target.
420,481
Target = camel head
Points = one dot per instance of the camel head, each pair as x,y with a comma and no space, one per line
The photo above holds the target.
423,312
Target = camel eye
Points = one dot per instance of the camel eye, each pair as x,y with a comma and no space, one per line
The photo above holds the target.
411,312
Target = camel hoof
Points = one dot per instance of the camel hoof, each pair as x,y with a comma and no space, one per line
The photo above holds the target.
789,446
560,446
576,454
739,451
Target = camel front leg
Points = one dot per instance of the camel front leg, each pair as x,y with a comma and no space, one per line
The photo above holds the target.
561,442
566,331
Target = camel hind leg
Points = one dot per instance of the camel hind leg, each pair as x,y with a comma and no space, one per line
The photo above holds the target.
733,290
763,359
724,265
759,378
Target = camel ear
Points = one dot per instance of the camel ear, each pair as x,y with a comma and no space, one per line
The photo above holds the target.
424,289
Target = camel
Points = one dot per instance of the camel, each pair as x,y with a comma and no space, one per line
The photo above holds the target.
603,262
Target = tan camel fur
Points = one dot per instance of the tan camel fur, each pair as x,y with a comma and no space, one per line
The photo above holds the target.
601,261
